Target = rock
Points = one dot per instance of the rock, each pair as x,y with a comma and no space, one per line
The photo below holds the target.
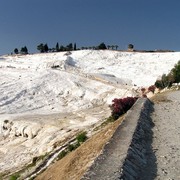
20,128
150,94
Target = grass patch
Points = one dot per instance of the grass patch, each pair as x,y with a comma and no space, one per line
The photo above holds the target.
111,119
80,138
108,120
62,154
158,98
33,163
14,177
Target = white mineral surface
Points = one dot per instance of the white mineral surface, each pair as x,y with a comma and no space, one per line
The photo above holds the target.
45,98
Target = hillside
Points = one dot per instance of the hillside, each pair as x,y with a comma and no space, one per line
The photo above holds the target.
47,98
46,83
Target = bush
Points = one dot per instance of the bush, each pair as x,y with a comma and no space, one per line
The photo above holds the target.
143,90
62,154
168,80
14,177
71,147
121,106
159,84
81,137
165,81
152,88
175,73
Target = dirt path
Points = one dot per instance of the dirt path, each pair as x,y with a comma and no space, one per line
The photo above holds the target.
166,138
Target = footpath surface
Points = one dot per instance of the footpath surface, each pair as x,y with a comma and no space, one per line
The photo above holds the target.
166,136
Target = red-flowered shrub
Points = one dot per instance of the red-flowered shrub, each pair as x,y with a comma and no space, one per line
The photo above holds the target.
121,106
152,88
143,90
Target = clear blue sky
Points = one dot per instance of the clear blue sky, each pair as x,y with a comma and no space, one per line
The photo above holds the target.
148,24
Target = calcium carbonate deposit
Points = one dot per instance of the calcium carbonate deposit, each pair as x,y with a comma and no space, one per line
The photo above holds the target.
45,98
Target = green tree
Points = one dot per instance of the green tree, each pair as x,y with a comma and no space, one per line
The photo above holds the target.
69,47
112,47
102,46
168,80
40,48
46,48
74,47
130,46
176,72
24,50
16,51
165,80
62,48
57,47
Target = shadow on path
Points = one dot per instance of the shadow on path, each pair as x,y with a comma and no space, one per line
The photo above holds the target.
140,162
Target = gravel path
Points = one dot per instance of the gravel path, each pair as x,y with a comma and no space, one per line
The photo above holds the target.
166,136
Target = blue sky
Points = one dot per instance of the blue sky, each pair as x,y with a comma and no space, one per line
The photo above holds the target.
148,24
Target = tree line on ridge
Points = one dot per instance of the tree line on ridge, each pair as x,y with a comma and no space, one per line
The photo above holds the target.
44,48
